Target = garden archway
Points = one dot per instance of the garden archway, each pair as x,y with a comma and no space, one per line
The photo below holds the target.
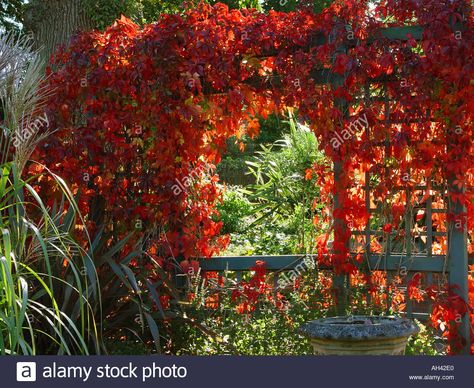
142,112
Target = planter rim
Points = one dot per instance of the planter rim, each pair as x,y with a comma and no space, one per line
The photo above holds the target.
359,328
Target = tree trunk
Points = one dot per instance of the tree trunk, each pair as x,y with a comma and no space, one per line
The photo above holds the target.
53,22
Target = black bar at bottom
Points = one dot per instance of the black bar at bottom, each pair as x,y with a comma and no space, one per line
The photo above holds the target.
234,371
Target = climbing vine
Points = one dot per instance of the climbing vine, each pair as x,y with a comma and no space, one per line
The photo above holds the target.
143,115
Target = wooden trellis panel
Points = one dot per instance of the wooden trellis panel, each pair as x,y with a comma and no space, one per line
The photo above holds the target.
454,264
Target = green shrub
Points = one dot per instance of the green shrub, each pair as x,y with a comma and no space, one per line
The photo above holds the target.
234,211
266,331
280,220
425,343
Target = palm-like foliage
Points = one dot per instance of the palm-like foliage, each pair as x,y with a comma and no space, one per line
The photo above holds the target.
281,194
279,172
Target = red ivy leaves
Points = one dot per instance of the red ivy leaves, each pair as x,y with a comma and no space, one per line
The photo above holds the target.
143,114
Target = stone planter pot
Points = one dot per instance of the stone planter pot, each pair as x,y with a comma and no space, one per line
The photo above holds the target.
359,335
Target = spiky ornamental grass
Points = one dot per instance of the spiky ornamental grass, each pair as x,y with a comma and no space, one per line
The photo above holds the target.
49,293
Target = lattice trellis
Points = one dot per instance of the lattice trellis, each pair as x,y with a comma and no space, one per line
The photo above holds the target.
412,252
416,253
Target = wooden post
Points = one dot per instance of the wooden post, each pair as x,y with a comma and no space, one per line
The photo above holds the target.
458,262
340,282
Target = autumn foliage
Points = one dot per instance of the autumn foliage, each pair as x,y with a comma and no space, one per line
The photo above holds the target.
139,110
